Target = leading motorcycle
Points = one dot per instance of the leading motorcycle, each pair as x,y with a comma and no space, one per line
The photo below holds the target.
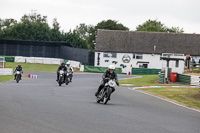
105,93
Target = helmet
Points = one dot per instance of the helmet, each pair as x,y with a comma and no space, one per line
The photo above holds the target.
112,67
19,65
62,64
68,63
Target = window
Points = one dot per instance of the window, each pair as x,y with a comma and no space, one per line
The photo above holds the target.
137,56
140,66
177,63
110,55
114,55
106,55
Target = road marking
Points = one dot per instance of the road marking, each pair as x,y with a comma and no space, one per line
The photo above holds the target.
136,89
165,86
130,77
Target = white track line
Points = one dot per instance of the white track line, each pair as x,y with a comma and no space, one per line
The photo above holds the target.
135,89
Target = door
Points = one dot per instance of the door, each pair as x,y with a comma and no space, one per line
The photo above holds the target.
145,65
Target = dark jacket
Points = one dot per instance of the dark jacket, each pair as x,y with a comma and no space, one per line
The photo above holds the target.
62,68
19,69
107,74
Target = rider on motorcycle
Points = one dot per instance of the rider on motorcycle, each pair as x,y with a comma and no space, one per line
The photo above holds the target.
70,70
18,68
110,73
61,67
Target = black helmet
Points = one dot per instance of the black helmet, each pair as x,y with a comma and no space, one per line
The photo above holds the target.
62,64
19,65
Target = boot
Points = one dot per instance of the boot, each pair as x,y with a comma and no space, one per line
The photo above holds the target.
57,77
97,93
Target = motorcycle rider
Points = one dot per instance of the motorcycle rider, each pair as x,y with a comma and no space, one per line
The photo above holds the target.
110,73
70,70
18,68
61,67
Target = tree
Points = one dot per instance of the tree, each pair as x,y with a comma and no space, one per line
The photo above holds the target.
85,32
31,27
152,25
56,35
74,39
110,25
176,30
157,26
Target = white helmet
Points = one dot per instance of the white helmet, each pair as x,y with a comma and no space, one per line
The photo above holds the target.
112,67
68,63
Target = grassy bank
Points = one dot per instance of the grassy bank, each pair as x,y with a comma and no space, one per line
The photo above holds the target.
145,80
4,78
33,67
186,96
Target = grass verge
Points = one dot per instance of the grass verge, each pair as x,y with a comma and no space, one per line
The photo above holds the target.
4,78
186,96
33,67
145,80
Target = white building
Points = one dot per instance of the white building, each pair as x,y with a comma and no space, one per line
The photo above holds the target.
143,49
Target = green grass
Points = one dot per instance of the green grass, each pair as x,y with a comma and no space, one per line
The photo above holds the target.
145,80
4,78
196,70
33,67
186,96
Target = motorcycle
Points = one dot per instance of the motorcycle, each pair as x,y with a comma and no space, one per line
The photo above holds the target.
61,77
67,78
18,76
105,93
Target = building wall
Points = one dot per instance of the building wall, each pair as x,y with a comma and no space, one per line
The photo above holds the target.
152,61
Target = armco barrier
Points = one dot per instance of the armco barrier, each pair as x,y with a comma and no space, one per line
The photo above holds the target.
195,80
6,71
184,79
100,69
161,78
145,71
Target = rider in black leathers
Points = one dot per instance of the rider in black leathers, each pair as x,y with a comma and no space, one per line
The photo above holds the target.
61,67
18,68
110,73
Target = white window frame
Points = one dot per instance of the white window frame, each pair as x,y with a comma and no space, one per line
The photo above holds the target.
110,55
136,55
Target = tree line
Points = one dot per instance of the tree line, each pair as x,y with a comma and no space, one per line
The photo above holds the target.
35,27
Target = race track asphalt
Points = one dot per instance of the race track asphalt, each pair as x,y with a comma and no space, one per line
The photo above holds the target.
41,106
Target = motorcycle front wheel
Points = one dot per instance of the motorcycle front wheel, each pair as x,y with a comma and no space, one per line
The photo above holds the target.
17,79
60,81
67,81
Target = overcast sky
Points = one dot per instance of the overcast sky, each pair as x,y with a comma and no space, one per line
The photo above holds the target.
131,13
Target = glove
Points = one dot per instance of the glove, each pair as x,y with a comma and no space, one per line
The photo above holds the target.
117,83
105,80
